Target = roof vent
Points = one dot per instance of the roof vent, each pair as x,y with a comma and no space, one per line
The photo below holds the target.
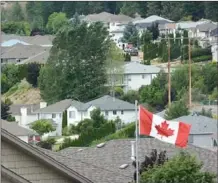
80,150
124,166
101,145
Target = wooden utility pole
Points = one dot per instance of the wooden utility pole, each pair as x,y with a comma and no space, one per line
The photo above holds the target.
190,76
169,78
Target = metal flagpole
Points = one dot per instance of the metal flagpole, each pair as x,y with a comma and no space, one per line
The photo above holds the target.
136,136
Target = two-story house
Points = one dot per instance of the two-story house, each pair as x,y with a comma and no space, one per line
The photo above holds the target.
110,107
137,74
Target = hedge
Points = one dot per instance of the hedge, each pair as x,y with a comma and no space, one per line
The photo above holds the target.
202,58
200,52
87,137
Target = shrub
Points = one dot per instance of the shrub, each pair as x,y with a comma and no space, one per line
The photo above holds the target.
207,113
198,52
202,58
118,92
176,110
86,137
131,96
183,168
47,144
127,132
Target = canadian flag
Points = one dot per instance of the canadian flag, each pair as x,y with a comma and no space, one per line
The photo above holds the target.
173,132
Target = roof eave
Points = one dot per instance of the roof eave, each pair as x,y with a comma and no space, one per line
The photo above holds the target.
45,158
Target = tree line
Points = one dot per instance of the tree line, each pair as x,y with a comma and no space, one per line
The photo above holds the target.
36,14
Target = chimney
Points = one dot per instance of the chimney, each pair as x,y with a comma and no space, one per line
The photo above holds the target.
43,105
133,150
23,121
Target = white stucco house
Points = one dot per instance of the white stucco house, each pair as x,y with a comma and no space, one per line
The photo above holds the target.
136,75
114,23
110,107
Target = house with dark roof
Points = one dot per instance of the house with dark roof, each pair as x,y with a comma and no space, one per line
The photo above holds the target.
20,52
136,75
115,24
23,113
110,107
24,163
143,24
22,133
116,157
203,131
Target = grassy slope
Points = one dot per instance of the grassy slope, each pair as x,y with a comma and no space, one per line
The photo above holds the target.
23,93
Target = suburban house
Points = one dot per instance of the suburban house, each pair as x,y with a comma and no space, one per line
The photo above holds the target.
117,156
214,44
19,52
8,40
143,24
203,131
137,75
22,133
115,24
24,163
23,113
110,107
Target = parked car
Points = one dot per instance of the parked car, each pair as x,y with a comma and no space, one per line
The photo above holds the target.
134,52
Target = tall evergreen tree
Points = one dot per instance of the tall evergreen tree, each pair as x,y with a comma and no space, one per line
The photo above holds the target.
172,10
129,8
194,9
154,8
211,12
154,30
17,12
4,110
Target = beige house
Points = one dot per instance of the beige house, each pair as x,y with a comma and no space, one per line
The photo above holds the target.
23,163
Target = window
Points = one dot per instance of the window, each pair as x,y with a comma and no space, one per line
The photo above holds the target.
190,139
122,112
106,113
114,112
129,78
53,115
143,76
72,114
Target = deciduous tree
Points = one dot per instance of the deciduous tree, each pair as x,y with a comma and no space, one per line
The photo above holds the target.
42,126
76,67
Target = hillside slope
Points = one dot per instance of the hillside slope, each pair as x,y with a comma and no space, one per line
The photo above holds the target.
23,93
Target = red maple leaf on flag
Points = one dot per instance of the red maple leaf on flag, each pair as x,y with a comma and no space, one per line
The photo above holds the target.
163,129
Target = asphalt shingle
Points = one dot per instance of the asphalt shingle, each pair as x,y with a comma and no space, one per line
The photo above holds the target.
118,152
15,129
200,124
57,107
109,103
